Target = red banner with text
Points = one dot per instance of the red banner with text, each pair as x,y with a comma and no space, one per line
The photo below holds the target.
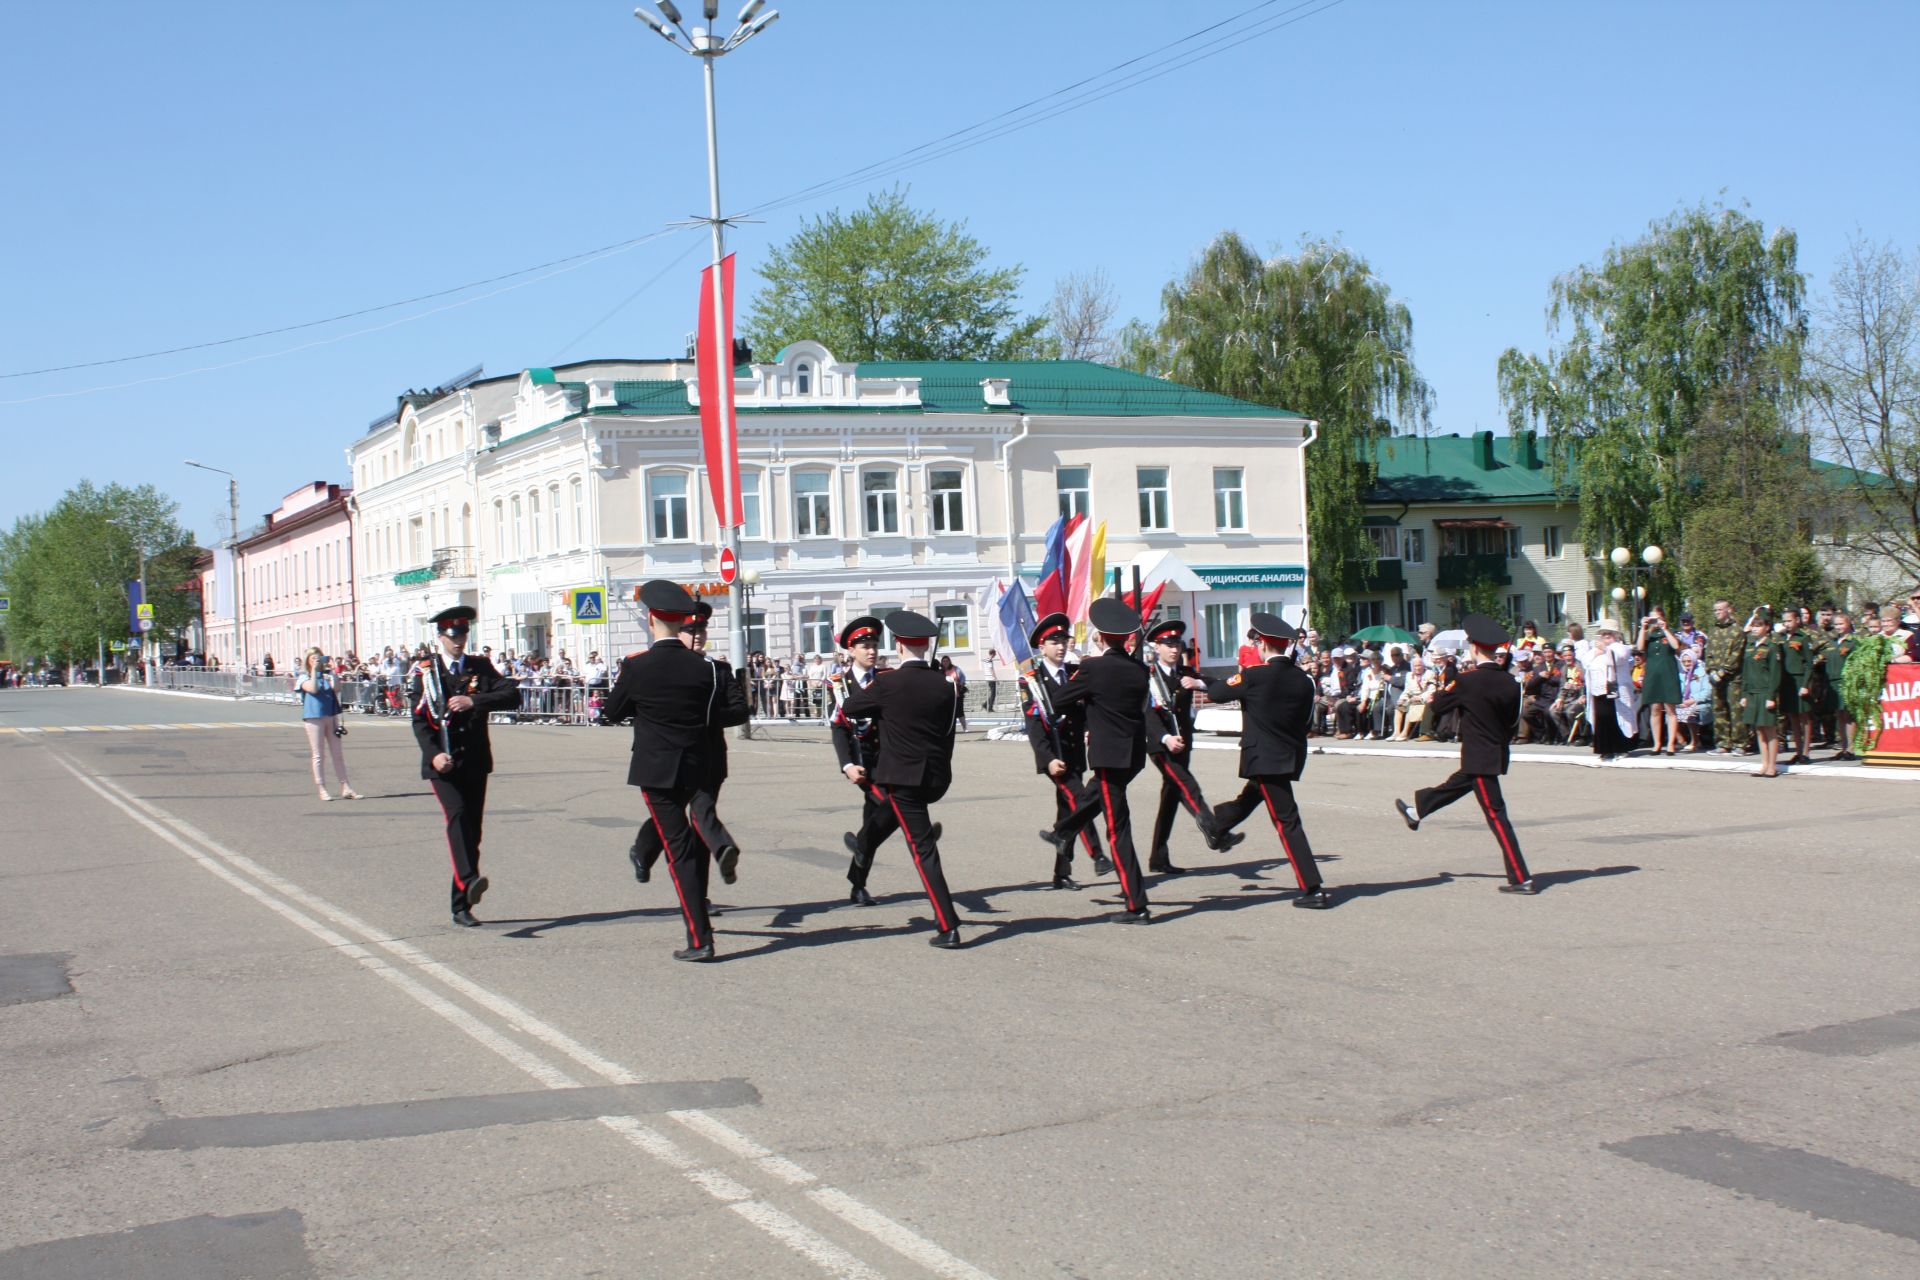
1899,741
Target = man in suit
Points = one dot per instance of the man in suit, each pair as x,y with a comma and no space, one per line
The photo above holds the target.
1489,704
1058,736
704,809
1113,687
677,701
917,708
1170,747
1276,703
451,693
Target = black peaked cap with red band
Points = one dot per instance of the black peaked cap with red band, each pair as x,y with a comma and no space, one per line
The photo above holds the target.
668,599
908,625
1273,627
861,628
1169,632
1047,626
1111,618
457,613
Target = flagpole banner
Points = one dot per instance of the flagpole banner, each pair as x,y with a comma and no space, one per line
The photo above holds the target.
1050,592
713,366
1017,621
1080,553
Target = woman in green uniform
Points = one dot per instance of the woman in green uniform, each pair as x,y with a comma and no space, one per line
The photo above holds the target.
1761,673
1838,650
1659,649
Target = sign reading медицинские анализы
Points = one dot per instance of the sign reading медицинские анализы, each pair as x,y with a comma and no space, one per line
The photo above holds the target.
1236,577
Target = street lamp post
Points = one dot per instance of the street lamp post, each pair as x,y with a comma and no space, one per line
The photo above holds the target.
745,583
706,44
239,580
146,649
1651,559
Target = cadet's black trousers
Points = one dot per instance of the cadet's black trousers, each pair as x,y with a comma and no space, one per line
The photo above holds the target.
463,799
686,856
1069,789
877,822
1485,789
1178,788
905,810
1277,795
703,813
1106,793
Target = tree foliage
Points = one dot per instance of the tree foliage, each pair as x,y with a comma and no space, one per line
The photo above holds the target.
1316,332
67,569
1080,318
889,283
1701,316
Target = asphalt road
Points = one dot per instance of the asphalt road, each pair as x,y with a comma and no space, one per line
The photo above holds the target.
242,1040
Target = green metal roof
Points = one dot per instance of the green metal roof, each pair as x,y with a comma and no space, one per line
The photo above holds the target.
541,377
1481,467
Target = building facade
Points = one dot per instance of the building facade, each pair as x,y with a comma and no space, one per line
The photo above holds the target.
294,575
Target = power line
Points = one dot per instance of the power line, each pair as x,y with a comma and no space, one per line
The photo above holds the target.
624,303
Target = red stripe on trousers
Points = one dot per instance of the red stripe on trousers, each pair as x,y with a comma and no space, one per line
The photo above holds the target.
1166,771
1506,846
1119,863
693,930
1073,803
914,849
453,854
1281,830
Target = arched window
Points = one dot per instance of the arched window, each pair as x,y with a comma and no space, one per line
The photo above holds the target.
519,528
466,524
555,514
579,513
803,379
533,511
499,530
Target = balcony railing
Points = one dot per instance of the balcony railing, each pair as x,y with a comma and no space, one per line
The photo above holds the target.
1388,575
1464,570
447,562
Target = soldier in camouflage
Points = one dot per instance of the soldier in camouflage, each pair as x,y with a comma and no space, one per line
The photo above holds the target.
1725,641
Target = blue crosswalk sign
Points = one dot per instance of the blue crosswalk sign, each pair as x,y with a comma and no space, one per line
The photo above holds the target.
589,604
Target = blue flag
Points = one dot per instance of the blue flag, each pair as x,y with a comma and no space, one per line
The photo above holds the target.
1017,620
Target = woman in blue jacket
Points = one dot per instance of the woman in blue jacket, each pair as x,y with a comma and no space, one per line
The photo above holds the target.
320,711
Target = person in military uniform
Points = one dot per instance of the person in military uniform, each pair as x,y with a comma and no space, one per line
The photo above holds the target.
1726,638
1058,736
1839,649
452,692
1489,705
857,745
1170,748
704,809
676,700
1112,686
917,708
1276,704
1762,676
1802,654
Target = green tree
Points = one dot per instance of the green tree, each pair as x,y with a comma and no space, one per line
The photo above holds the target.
1644,347
889,283
1316,332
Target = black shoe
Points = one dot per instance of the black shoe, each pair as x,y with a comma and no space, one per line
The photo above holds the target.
729,863
860,897
1527,888
641,871
713,910
1102,866
935,831
695,953
948,941
1065,882
464,919
1315,900
1141,916
1163,865
475,890
1222,841
1407,815
1046,833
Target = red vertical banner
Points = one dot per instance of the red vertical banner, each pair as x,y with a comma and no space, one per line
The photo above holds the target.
713,365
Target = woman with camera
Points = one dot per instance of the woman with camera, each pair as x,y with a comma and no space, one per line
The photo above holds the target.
320,712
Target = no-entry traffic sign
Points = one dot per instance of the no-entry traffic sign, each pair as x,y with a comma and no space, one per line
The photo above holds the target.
729,565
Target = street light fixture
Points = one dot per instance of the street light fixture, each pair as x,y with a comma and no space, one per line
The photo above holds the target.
707,45
140,547
239,581
1651,559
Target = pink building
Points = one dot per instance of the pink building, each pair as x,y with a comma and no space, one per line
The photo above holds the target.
296,579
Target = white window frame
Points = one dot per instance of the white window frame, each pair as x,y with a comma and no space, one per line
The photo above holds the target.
556,515
1413,546
499,529
1077,499
822,511
753,503
519,526
1556,608
1553,539
1164,490
1225,620
1516,605
1514,547
1413,612
1233,517
947,507
1385,539
659,503
954,638
579,492
816,621
533,519
880,502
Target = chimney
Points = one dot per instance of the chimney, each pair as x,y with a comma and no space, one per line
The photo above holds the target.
1483,450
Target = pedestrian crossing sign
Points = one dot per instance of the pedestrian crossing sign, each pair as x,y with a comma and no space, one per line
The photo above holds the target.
143,611
587,604
6,603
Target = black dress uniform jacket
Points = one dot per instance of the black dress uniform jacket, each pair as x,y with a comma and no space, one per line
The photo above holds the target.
1276,703
1488,700
917,707
1113,688
490,691
1180,709
856,742
1070,729
678,702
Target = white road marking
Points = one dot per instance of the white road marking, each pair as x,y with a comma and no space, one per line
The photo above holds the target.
228,865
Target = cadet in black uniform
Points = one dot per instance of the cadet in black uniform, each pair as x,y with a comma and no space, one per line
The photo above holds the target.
917,709
857,744
1113,686
451,694
677,699
1058,736
704,810
1276,703
1488,700
1172,723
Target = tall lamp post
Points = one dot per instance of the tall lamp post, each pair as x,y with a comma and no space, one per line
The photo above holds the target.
708,45
146,648
239,582
1623,560
744,584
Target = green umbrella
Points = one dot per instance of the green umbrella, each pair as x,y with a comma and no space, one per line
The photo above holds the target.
1384,635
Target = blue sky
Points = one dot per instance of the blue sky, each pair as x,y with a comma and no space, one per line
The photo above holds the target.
184,173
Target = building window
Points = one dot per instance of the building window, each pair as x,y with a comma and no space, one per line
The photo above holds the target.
816,631
1384,540
1516,607
416,542
1554,542
956,626
667,503
579,512
533,513
1223,632
1415,613
1413,546
1513,541
812,509
1074,485
803,379
750,505
499,530
1366,613
1156,503
557,515
880,497
949,500
1556,608
1593,605
519,528
756,631
1229,499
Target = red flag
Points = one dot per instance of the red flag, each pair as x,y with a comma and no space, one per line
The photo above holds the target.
1153,599
719,434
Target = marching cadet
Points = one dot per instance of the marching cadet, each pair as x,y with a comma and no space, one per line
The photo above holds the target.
452,692
1059,740
1172,750
1763,682
704,810
678,701
1113,685
857,745
917,708
1276,704
1489,704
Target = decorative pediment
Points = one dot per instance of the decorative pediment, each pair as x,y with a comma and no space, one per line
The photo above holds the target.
805,375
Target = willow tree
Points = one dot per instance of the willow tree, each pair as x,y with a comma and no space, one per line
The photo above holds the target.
1316,332
1703,311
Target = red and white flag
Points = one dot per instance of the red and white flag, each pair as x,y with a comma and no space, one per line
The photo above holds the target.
713,364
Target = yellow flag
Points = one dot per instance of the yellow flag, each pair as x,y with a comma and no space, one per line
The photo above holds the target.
1097,563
